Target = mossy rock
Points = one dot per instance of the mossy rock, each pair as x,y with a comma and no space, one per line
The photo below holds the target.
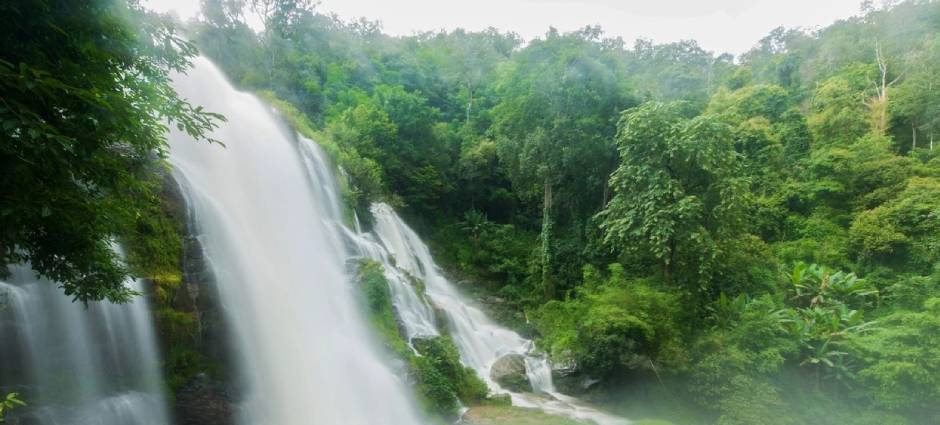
509,372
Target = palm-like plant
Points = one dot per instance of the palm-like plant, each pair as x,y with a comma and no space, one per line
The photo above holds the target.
813,285
726,310
474,222
822,332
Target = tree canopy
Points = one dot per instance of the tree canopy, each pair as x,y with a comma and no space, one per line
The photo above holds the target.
85,109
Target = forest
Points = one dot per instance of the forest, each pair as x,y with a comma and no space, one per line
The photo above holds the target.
697,238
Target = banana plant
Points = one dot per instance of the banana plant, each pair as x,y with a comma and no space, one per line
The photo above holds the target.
812,285
822,333
726,311
474,222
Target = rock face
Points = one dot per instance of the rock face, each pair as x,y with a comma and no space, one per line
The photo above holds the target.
201,402
569,380
198,356
510,373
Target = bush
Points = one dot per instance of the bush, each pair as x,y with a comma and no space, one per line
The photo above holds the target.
613,325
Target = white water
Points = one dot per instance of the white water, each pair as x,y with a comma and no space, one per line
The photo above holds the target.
78,366
480,340
265,208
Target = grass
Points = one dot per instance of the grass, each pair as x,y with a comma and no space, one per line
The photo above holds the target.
509,415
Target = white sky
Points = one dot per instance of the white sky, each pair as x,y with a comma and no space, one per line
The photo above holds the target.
718,25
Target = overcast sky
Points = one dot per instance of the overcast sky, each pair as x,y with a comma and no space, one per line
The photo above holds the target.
718,25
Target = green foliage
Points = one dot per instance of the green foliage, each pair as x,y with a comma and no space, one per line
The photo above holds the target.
612,326
901,359
510,159
86,104
839,115
678,191
906,224
8,403
381,313
440,355
442,381
505,154
812,285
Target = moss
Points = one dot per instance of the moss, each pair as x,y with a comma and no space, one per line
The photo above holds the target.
155,247
442,382
468,387
154,253
438,393
379,303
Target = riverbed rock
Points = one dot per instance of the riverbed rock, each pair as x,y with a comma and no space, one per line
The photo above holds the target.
510,373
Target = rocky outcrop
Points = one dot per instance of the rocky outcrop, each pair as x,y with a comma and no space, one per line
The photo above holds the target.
193,330
569,380
510,373
203,402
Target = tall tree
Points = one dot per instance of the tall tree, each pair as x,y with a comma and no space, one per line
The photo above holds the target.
677,191
555,123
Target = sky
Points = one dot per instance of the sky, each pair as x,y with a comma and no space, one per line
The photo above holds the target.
721,26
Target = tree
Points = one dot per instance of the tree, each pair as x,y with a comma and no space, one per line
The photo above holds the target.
839,114
85,108
677,191
916,98
555,124
878,104
279,15
223,14
473,58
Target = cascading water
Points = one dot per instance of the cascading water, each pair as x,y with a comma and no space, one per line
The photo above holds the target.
480,341
264,208
77,365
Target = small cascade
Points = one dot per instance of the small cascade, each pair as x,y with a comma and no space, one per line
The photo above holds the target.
480,340
76,365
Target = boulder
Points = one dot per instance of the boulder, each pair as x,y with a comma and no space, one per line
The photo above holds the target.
510,373
569,380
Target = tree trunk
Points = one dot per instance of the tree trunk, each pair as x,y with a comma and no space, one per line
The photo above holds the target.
469,101
914,138
879,105
667,263
548,281
931,141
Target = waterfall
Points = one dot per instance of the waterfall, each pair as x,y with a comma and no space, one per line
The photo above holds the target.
480,340
75,365
265,208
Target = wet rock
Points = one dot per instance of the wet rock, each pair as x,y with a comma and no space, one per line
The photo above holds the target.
207,394
202,403
510,373
569,380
